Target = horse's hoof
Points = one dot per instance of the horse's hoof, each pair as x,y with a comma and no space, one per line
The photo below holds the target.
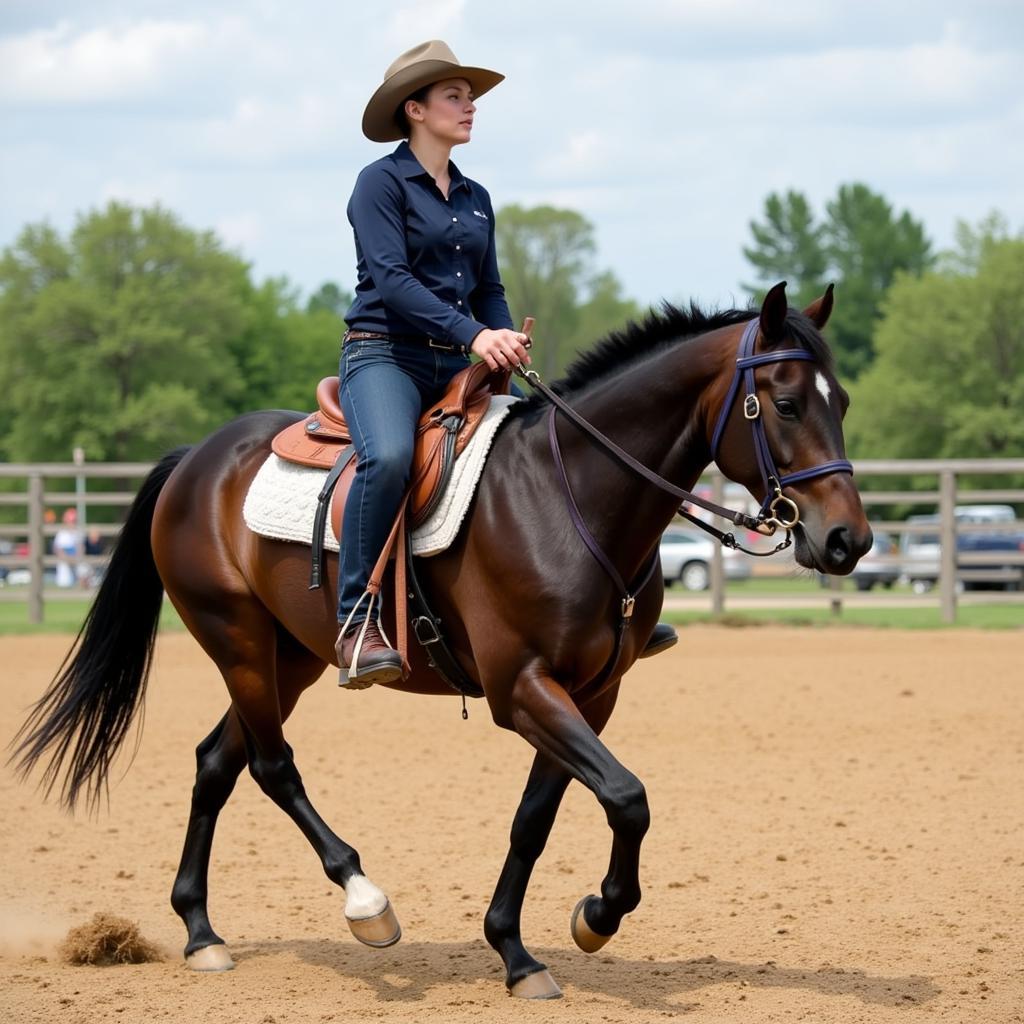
582,934
379,931
211,958
539,985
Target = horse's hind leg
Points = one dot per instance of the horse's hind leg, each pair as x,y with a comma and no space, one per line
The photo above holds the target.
219,760
249,670
367,910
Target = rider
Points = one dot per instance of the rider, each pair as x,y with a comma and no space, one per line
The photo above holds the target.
428,294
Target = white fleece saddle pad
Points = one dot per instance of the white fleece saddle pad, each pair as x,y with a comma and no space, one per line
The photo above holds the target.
281,502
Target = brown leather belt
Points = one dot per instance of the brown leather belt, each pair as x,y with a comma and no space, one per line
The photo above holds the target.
444,346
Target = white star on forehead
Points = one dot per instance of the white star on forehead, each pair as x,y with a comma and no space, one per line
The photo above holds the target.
822,385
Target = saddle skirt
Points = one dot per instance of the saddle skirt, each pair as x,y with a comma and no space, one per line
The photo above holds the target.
444,430
282,499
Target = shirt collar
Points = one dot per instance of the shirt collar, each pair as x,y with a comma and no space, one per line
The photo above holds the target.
412,168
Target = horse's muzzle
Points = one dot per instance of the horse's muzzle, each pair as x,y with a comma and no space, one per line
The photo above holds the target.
839,553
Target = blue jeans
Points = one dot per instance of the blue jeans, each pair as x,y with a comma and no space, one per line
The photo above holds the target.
385,386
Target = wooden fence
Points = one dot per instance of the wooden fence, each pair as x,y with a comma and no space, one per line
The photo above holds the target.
28,568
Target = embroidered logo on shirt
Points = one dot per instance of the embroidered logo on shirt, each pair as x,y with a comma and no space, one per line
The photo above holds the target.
477,213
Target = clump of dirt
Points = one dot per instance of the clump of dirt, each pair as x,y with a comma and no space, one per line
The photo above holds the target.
108,939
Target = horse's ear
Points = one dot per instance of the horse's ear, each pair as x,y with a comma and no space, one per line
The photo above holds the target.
821,309
773,313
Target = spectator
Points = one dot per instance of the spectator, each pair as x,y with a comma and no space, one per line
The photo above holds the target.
94,545
49,519
67,546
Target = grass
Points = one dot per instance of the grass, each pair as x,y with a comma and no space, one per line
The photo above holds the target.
62,617
974,616
65,617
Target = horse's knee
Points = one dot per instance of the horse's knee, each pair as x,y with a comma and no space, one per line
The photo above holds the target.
278,778
629,814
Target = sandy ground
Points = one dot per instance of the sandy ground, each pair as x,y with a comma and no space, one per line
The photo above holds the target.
838,836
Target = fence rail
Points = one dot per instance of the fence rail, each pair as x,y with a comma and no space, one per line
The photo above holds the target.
40,488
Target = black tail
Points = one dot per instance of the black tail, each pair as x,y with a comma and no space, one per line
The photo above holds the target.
83,717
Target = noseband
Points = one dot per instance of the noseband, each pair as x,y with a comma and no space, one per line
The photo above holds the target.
772,515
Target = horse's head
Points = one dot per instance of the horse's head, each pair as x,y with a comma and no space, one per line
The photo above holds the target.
779,432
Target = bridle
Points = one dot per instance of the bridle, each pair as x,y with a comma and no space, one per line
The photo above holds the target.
768,519
772,516
776,512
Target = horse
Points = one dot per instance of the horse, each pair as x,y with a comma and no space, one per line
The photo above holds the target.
530,592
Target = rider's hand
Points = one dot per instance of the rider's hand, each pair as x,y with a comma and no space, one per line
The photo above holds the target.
503,349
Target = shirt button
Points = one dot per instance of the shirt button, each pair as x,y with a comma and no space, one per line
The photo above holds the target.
455,220
459,303
457,248
458,273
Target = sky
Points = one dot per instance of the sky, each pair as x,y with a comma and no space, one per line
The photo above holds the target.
665,122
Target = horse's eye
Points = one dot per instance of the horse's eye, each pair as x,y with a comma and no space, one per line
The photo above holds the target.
785,408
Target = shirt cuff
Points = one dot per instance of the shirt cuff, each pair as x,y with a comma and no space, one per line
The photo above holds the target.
465,331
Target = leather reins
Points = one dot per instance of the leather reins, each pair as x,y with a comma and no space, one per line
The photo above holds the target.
777,511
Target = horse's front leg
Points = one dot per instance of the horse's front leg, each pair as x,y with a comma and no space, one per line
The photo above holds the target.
525,976
543,713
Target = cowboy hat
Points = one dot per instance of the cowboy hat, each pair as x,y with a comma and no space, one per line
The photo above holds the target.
425,64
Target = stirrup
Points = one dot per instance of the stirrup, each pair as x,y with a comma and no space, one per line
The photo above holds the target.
381,674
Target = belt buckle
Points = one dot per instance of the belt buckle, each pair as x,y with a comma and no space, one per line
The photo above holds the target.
442,345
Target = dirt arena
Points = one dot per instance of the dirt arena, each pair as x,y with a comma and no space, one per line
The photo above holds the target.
838,835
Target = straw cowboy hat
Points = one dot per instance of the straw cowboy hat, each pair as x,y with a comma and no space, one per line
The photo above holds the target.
425,64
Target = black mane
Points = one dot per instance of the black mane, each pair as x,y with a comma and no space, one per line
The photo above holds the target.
665,327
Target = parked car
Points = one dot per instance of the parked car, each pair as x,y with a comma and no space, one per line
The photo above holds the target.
878,566
920,552
686,558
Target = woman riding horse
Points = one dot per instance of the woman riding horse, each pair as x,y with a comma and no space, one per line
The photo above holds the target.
428,294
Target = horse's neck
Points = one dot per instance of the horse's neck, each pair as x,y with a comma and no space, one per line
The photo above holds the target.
655,411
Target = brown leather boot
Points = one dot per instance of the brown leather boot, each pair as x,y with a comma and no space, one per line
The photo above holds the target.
378,663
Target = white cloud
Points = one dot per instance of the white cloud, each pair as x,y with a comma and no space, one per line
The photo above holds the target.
65,65
260,129
415,23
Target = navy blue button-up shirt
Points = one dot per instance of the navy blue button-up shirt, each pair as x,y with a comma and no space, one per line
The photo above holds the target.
426,264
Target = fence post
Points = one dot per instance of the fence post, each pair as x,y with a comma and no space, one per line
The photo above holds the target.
717,560
947,545
835,586
36,548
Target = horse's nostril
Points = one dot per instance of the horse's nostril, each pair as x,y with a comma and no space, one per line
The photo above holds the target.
839,544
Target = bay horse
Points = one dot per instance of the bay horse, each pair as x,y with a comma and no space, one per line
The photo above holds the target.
531,612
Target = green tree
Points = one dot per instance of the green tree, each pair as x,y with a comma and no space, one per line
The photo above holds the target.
285,348
948,380
546,257
330,297
973,243
789,246
861,245
868,245
118,339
